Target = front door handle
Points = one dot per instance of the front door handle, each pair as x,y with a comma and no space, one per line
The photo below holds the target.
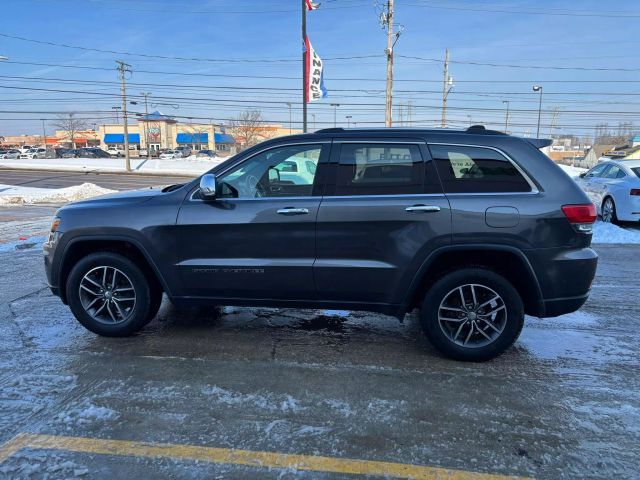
293,211
423,208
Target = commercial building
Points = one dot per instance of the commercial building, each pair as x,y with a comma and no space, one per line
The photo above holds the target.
158,132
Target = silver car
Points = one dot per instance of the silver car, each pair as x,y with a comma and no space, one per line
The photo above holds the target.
614,187
10,154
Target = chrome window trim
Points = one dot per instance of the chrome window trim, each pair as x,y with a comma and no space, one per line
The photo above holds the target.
239,162
534,188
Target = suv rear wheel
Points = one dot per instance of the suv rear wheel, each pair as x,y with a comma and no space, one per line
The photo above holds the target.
472,314
110,295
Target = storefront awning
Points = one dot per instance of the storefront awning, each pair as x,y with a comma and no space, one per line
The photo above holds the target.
192,138
224,138
119,138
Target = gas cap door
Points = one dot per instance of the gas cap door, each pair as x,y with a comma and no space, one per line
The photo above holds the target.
502,217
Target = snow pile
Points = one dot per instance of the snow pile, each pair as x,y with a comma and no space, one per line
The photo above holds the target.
85,414
610,233
13,195
573,172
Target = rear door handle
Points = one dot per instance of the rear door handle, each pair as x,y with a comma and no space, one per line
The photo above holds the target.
423,208
293,211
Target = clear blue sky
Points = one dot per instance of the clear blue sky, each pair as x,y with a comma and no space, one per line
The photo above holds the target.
582,36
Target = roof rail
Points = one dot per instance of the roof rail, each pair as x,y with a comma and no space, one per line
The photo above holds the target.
482,130
330,130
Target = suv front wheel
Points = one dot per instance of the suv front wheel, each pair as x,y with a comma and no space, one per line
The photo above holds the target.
110,295
472,314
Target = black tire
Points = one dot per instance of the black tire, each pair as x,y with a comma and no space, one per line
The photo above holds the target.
510,322
614,215
141,312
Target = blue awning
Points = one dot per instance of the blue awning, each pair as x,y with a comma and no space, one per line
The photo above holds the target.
119,138
224,138
192,138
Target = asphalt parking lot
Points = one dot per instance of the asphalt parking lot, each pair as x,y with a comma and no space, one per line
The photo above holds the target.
262,393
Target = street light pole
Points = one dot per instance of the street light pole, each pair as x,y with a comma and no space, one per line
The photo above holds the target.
506,118
349,117
335,113
44,134
538,88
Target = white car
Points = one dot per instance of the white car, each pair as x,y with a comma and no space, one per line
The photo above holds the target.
25,148
171,154
10,154
115,152
614,187
34,153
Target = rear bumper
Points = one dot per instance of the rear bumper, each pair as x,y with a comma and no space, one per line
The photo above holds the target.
565,278
560,306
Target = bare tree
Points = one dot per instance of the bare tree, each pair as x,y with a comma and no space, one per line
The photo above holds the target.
606,136
71,125
249,126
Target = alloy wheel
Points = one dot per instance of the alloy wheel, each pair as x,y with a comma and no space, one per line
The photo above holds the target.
107,295
472,315
607,210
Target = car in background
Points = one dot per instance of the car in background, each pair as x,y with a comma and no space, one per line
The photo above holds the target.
72,153
12,153
93,152
25,148
186,151
34,153
206,154
614,187
115,152
171,154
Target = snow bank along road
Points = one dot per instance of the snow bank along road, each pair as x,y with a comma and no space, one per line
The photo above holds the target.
261,393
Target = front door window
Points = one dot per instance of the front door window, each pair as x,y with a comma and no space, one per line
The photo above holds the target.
287,171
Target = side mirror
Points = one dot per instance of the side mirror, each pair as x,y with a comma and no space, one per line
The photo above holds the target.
274,175
208,186
583,174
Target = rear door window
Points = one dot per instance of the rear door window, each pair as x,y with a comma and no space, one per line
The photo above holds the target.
379,169
464,169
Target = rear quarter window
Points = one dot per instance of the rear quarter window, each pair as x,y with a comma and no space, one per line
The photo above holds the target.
465,169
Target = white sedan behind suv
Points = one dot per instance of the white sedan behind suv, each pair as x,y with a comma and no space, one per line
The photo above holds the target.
614,187
171,154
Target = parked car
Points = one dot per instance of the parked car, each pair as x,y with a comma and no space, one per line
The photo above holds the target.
206,154
115,152
170,154
614,187
25,148
94,152
12,153
186,151
34,153
474,227
73,153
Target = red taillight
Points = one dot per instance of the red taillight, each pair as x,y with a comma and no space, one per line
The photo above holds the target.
635,191
580,213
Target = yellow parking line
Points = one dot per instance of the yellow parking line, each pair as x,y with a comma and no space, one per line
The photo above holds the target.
239,457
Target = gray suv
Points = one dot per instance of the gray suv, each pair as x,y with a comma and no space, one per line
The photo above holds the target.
474,228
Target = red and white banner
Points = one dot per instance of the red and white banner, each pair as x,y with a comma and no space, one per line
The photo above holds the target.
311,5
314,87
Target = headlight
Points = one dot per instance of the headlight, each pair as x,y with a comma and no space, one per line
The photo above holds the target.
55,224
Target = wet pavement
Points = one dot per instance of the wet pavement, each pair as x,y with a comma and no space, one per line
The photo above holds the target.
563,403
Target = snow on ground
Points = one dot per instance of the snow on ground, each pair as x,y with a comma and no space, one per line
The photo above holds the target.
573,172
609,233
12,195
192,165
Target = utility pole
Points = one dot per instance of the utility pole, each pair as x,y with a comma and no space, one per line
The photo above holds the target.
304,70
409,113
349,117
289,104
44,134
146,122
115,109
123,68
391,40
506,117
554,120
400,114
447,85
313,115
